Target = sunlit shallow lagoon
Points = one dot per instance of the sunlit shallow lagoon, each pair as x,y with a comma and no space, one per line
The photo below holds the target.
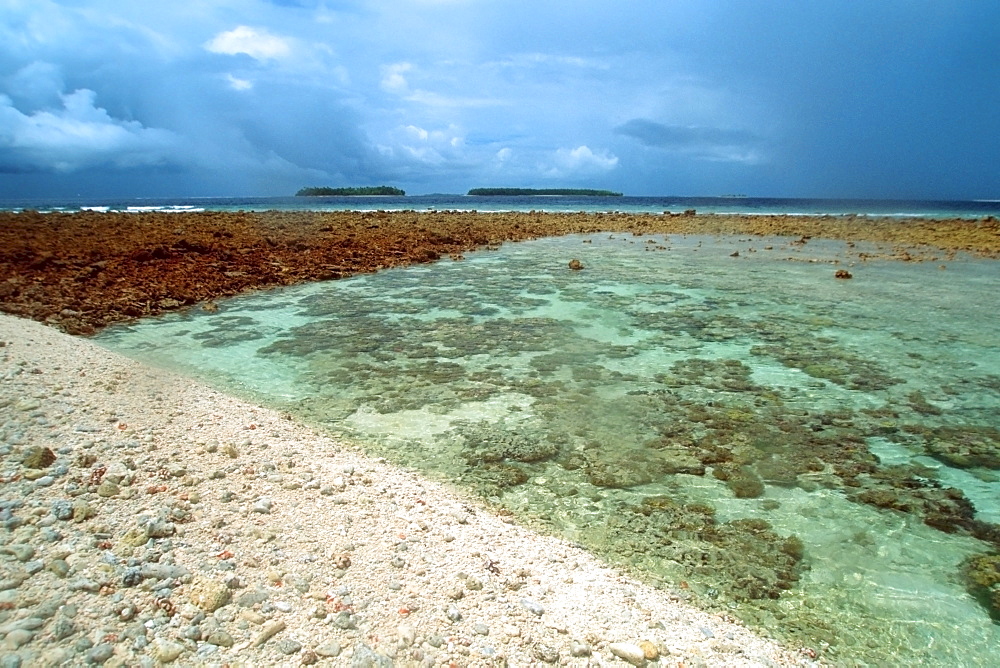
816,456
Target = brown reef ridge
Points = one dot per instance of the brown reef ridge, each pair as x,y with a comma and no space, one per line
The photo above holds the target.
82,271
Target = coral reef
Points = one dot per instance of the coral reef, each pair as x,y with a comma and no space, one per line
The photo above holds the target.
982,573
85,270
738,560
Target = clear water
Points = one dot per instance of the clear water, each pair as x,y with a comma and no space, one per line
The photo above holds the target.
748,429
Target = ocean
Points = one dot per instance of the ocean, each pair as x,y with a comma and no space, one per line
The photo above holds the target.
819,458
738,205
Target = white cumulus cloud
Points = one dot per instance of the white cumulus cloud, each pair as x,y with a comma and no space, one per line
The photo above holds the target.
583,159
258,44
78,136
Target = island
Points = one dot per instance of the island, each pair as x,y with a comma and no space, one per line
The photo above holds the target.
574,192
350,192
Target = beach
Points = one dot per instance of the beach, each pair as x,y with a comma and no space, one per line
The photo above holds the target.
151,519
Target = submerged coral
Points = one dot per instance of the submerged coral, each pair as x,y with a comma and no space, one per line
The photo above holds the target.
982,573
738,560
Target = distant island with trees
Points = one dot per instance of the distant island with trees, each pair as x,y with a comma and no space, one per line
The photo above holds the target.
350,192
575,192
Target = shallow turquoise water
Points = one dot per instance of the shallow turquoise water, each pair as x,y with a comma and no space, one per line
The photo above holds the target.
815,456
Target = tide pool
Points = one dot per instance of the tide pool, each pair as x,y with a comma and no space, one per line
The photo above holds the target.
816,456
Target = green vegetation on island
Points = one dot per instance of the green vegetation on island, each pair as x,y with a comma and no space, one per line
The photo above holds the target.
575,192
349,192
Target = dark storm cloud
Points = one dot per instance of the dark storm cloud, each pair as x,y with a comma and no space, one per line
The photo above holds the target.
703,140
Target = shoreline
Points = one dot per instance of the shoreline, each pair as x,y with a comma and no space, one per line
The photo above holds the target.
169,445
152,520
83,271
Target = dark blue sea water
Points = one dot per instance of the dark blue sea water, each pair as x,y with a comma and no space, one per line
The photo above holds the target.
748,205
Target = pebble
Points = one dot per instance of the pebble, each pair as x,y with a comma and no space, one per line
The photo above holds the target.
59,567
628,652
262,505
344,620
83,511
289,646
366,657
163,571
532,606
329,650
108,489
407,634
62,628
167,651
62,509
651,651
253,617
269,631
209,595
85,584
252,598
25,624
18,637
100,654
20,551
546,654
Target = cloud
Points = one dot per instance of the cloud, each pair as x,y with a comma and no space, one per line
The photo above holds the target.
258,44
582,160
393,80
37,84
706,143
429,147
239,84
78,136
546,60
827,99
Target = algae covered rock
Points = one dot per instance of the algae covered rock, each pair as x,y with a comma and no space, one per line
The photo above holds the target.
492,443
963,447
743,482
982,573
739,560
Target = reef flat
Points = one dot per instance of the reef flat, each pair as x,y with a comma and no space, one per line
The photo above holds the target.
82,271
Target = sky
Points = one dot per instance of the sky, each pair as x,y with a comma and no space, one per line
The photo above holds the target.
769,98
